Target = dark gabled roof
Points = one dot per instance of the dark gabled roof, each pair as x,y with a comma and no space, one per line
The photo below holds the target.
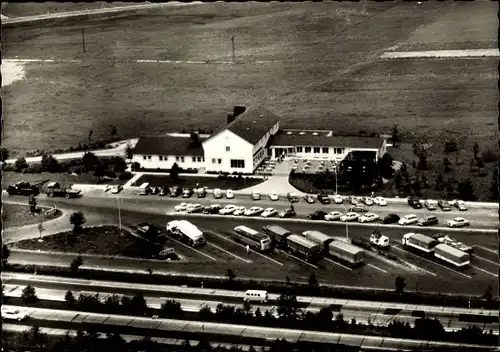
283,139
251,125
168,145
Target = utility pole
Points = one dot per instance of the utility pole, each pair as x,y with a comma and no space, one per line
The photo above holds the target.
118,199
83,40
232,44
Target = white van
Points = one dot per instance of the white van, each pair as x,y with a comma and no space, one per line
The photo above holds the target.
144,189
256,295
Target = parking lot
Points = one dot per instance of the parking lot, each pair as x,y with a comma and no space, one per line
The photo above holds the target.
312,166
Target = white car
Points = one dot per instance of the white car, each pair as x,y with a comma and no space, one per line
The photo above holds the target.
228,209
337,199
460,204
269,212
349,217
182,206
273,196
11,313
229,194
368,217
408,219
253,211
368,200
457,222
380,201
239,211
333,215
195,208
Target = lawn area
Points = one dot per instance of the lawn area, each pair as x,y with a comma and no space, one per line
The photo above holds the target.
191,181
65,179
15,215
105,240
13,9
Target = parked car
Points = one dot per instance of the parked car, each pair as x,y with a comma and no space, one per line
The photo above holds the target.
368,217
201,192
163,191
368,201
457,222
255,195
229,194
309,199
12,313
408,219
117,189
187,193
460,205
195,208
253,211
212,209
390,218
155,190
273,196
228,209
428,221
182,206
323,198
358,208
218,193
444,205
350,216
317,215
338,199
292,197
239,210
414,202
269,212
288,213
380,201
333,215
430,204
175,191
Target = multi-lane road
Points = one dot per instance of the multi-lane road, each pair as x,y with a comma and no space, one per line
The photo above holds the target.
222,252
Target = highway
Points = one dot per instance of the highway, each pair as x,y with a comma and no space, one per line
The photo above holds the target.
193,299
223,253
184,329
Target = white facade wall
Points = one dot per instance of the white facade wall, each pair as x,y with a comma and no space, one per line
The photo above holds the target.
333,153
259,155
225,147
154,162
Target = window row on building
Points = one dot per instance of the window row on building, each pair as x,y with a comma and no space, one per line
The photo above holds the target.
318,150
194,159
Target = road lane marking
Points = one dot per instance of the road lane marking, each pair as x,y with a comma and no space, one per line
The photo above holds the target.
197,251
486,249
484,271
430,261
234,255
303,261
376,267
251,250
334,262
486,260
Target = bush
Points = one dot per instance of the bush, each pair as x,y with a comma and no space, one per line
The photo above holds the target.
33,169
125,175
489,155
7,167
76,264
20,164
29,295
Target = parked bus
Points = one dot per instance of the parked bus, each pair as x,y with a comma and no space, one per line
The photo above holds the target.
255,239
278,235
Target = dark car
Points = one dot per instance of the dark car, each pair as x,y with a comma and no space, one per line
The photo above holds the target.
175,191
309,199
359,208
390,219
287,213
292,197
428,221
323,198
444,205
317,215
163,191
212,209
415,203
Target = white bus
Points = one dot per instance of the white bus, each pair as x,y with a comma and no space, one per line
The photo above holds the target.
255,239
186,232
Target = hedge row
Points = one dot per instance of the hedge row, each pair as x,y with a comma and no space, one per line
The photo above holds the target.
298,289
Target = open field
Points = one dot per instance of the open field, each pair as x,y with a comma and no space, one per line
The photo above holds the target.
14,215
33,9
321,53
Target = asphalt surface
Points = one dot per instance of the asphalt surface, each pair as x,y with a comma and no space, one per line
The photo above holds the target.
161,327
223,253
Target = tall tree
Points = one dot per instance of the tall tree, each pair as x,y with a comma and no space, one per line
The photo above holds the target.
174,173
114,132
399,284
128,151
90,161
396,137
32,204
466,189
4,154
385,166
20,164
438,185
77,219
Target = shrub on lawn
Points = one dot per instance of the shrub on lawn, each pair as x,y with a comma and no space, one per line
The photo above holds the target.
76,264
20,164
33,169
29,295
125,175
7,167
489,155
69,299
170,309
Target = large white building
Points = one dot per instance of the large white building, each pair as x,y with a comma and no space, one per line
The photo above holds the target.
244,141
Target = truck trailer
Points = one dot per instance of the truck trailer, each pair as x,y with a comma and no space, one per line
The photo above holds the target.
302,247
319,238
419,242
453,243
278,235
346,252
185,232
451,255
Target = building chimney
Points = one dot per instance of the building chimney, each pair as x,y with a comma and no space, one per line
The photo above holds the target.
230,118
238,110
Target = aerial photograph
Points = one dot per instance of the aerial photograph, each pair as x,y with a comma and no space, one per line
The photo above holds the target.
250,176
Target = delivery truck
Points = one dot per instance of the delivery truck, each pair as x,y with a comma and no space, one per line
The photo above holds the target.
451,255
318,238
346,253
185,232
54,189
277,234
302,247
450,241
421,243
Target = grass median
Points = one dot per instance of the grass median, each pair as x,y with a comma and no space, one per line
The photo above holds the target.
15,215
